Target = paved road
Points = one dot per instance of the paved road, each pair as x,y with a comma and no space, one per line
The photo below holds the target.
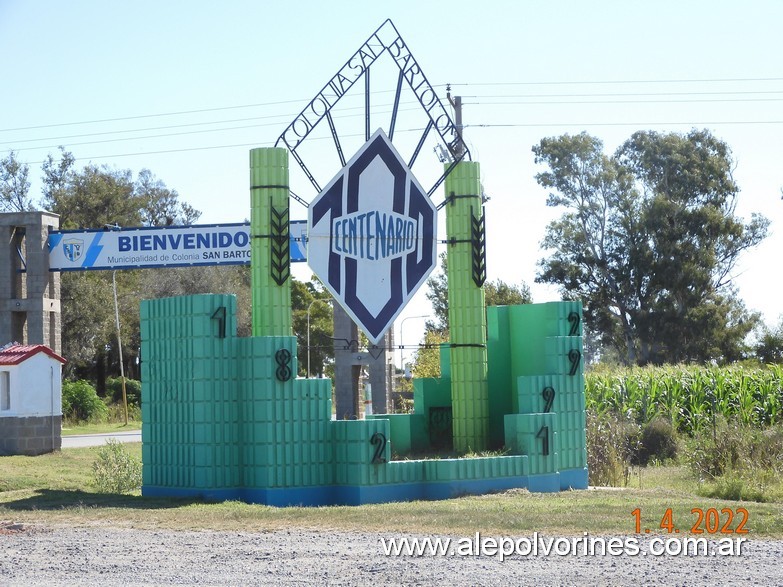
82,440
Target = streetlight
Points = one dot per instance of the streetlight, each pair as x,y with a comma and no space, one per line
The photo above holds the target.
119,346
402,322
116,227
308,330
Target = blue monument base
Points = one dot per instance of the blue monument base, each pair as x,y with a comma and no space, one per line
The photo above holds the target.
326,495
573,479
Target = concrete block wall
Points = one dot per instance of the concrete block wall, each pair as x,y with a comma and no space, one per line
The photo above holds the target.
29,300
221,414
225,418
536,393
545,365
186,411
283,422
30,436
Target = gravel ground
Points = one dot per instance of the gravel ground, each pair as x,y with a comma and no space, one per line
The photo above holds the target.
31,555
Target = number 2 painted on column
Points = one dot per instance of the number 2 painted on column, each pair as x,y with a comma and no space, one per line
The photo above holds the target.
378,440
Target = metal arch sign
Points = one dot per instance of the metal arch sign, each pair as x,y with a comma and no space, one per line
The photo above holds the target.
385,41
372,236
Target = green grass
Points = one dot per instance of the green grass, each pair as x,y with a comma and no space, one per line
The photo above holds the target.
64,470
672,477
73,429
58,489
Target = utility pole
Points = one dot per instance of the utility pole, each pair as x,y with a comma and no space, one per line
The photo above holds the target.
456,103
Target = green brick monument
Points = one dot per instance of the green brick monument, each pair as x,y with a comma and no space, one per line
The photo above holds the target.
225,417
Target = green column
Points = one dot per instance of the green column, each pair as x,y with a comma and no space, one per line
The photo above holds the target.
270,260
467,317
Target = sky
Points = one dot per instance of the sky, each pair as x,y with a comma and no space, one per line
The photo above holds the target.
186,89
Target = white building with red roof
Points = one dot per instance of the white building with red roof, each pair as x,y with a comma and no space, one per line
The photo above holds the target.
30,399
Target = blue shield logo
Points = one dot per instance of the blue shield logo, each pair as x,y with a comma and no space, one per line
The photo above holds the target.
73,249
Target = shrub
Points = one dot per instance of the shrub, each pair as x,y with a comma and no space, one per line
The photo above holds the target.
115,470
402,404
658,442
612,443
734,487
768,449
713,453
738,462
132,391
117,413
81,402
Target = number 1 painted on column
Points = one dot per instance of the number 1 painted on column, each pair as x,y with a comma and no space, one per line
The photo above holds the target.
543,434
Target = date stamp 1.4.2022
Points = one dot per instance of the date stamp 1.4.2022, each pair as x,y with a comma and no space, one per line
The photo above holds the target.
702,521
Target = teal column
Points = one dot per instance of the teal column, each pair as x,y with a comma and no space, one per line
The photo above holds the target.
467,316
270,261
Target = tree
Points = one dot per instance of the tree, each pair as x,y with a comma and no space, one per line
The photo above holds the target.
648,241
313,296
87,322
182,281
161,206
95,197
438,295
496,293
500,293
769,346
55,177
426,361
14,185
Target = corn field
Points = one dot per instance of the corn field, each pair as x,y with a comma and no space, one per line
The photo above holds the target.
689,396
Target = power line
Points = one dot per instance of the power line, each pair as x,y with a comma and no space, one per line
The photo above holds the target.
176,113
160,136
166,135
481,102
609,82
509,101
553,124
286,116
139,116
508,125
470,84
628,95
209,147
149,128
166,151
569,102
174,126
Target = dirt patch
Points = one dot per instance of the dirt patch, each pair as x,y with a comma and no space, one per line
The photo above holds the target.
7,527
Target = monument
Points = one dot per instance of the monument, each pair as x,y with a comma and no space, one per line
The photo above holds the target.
225,418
